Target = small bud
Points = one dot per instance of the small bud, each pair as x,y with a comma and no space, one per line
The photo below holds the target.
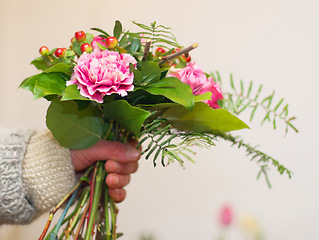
44,50
80,36
60,52
86,47
111,42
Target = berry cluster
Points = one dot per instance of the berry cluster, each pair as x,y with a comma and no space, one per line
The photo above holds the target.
80,43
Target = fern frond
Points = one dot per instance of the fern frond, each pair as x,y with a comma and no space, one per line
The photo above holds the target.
256,155
241,99
159,35
171,145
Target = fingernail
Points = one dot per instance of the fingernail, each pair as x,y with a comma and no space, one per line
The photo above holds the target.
133,153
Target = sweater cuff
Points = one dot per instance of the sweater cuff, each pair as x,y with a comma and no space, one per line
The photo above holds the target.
15,206
48,174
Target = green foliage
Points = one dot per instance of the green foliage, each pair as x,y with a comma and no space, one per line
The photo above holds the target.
106,35
72,93
159,35
73,128
59,67
44,84
256,155
203,118
170,145
150,72
129,117
117,29
171,88
243,98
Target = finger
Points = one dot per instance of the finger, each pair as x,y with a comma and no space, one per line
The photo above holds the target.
117,194
105,150
114,180
112,166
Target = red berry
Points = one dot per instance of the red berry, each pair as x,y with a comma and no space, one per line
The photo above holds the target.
111,42
60,52
176,50
186,59
86,47
159,51
80,36
43,50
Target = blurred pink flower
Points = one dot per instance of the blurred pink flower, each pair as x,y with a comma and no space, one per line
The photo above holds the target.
99,40
194,76
225,216
103,73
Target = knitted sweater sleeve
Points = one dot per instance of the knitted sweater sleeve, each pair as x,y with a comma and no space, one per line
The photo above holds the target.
35,174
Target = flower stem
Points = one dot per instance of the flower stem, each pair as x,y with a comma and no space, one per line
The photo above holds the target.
54,233
100,178
52,212
114,212
77,216
106,211
82,220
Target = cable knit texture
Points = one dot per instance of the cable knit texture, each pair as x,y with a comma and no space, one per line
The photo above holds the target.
48,174
15,207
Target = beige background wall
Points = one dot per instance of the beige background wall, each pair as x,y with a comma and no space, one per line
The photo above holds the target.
274,42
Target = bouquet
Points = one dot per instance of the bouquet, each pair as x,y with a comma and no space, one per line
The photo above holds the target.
143,86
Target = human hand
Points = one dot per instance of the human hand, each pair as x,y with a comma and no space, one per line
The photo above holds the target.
121,162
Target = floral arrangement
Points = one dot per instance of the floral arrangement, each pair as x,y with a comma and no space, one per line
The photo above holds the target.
140,85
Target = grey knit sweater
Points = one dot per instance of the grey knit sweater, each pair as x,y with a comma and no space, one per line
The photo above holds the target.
35,174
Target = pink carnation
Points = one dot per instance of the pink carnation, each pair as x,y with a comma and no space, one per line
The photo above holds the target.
194,76
103,73
95,42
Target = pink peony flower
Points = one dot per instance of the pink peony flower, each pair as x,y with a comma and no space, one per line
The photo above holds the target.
99,40
194,76
103,73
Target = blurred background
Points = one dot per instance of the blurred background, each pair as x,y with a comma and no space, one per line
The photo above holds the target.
273,42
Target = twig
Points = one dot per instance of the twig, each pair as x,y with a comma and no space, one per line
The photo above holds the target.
146,49
176,54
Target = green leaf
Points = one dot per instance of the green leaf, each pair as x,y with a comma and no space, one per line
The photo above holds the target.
26,84
89,38
59,67
150,71
44,84
138,78
203,97
135,45
29,83
39,63
72,93
203,119
101,31
76,46
101,46
129,117
174,89
50,83
72,128
117,29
